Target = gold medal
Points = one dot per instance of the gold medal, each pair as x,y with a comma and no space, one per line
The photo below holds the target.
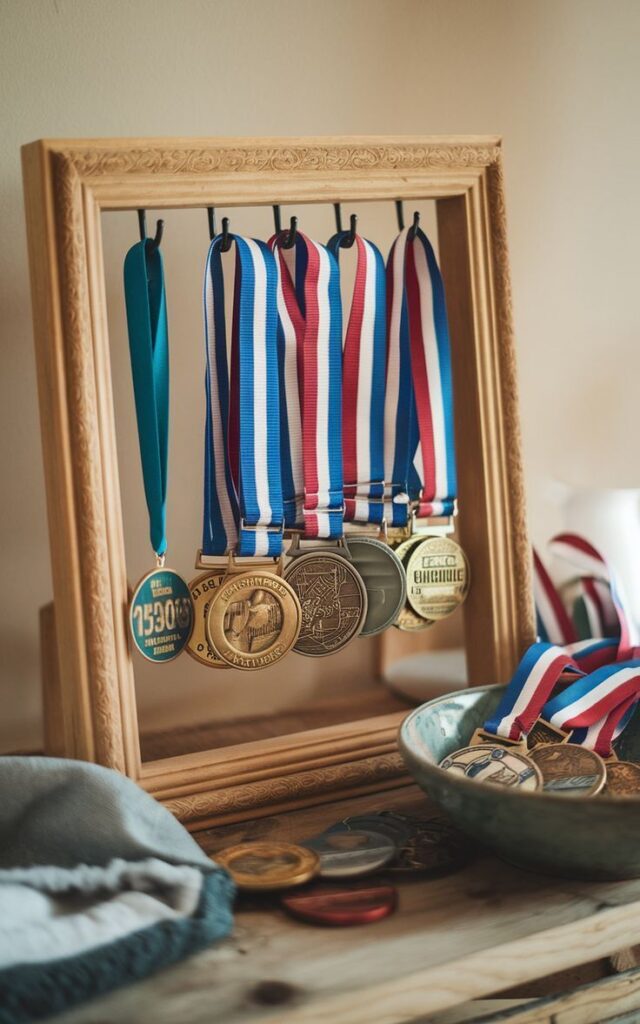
267,866
493,763
203,589
408,620
569,769
254,619
333,600
437,577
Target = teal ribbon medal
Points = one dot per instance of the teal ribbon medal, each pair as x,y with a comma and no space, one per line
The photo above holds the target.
161,609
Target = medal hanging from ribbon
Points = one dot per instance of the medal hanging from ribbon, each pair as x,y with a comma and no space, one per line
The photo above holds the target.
363,399
437,570
331,592
161,612
252,617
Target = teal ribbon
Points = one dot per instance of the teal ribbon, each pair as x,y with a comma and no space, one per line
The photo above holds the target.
149,348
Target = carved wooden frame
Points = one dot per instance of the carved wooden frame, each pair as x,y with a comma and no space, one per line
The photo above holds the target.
89,685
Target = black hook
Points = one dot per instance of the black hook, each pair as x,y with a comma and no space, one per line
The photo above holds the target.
277,219
225,244
290,240
400,214
338,213
211,217
347,242
142,224
415,226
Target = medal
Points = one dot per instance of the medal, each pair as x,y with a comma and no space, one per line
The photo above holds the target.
351,853
264,866
252,617
623,779
408,620
419,421
498,765
342,907
568,769
203,589
330,591
363,391
161,611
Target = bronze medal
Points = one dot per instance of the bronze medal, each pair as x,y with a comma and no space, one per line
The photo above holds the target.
569,769
623,779
542,733
500,766
203,589
437,577
481,737
408,620
253,620
333,600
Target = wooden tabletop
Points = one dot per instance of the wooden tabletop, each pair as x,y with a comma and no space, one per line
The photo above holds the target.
482,930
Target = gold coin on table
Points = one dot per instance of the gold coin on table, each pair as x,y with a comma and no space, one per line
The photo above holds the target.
253,620
408,620
270,865
502,766
437,577
333,599
623,779
203,589
569,769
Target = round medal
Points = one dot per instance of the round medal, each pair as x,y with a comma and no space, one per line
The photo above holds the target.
569,769
407,619
623,779
501,766
161,615
437,577
203,589
272,865
253,620
384,578
351,853
436,847
333,600
342,907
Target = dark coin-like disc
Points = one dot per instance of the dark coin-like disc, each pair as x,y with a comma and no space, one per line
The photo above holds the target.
385,581
395,830
436,847
623,779
351,853
333,598
342,907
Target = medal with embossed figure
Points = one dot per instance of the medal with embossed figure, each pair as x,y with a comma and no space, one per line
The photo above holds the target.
253,617
203,589
420,446
161,611
331,592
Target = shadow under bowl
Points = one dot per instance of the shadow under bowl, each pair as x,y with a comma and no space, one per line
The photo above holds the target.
576,837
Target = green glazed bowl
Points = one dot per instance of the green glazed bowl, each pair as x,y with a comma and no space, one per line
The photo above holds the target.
591,838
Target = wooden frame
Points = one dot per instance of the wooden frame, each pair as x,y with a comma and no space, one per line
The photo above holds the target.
91,710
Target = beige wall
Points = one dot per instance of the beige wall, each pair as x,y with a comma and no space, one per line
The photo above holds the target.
557,78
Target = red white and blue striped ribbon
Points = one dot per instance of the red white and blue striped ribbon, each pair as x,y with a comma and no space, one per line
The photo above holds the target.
593,610
553,622
531,685
363,385
420,462
399,426
317,290
590,562
291,331
243,493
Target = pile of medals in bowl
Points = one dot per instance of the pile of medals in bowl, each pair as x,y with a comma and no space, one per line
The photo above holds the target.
322,869
556,724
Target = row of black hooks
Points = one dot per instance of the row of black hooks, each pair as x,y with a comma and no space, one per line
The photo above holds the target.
290,240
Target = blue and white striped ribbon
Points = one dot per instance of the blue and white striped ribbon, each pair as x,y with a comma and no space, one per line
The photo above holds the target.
400,436
243,509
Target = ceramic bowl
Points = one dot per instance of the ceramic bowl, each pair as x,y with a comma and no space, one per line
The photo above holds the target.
592,838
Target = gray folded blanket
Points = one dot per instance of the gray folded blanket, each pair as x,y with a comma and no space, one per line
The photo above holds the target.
99,886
